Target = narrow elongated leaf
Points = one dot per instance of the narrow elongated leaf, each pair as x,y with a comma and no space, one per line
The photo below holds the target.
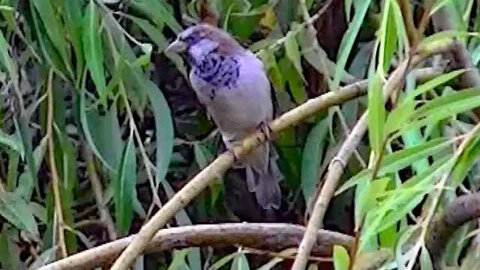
431,84
53,28
292,51
48,49
240,263
388,39
25,182
425,260
312,157
376,113
158,11
12,142
466,161
9,250
272,69
400,116
153,32
5,59
73,25
26,136
349,38
103,134
295,81
163,126
341,260
15,210
445,107
125,187
93,49
399,160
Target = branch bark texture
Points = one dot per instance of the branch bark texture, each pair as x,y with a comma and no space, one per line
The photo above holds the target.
271,236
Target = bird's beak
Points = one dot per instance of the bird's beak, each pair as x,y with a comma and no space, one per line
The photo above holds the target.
177,46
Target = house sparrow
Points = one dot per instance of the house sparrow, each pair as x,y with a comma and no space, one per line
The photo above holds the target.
231,83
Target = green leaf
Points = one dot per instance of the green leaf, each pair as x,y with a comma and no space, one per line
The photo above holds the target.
153,33
15,210
399,160
27,179
12,142
365,196
49,52
53,28
73,25
158,11
376,113
312,157
272,69
294,79
399,117
178,261
5,59
103,134
445,107
341,259
125,188
466,161
431,84
163,126
93,49
240,263
425,260
25,134
388,39
10,252
202,155
292,51
349,38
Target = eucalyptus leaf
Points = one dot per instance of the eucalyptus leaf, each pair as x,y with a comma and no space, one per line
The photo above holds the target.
125,188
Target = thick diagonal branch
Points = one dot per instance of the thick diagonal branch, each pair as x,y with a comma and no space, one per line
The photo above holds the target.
272,236
225,161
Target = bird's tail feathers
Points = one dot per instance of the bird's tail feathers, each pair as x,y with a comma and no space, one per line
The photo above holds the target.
265,185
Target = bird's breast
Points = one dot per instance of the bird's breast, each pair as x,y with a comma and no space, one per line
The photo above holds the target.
236,94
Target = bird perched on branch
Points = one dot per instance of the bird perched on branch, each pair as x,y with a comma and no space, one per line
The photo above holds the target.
231,83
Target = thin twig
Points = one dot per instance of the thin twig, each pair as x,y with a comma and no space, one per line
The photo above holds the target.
225,161
53,169
149,166
105,217
407,14
265,236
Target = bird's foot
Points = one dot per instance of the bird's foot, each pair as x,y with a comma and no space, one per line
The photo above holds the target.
234,155
266,130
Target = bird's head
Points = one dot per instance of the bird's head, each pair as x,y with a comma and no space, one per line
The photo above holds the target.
199,40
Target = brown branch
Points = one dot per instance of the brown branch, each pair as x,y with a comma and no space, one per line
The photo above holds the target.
407,14
105,217
339,162
225,161
459,212
268,236
442,21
